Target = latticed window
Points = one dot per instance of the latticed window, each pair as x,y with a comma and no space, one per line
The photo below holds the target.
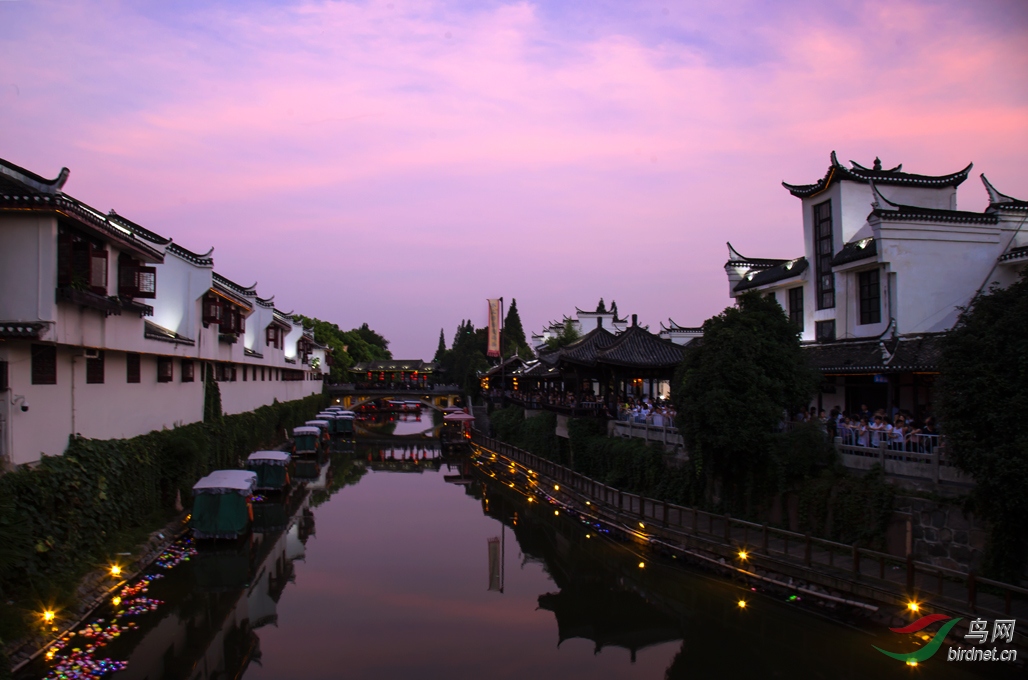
95,369
135,280
870,297
796,306
187,370
81,262
824,248
44,365
132,372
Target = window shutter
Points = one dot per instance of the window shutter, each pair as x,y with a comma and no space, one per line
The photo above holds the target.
98,270
146,282
64,259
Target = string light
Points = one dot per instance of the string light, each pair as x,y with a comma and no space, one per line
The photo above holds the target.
743,554
115,570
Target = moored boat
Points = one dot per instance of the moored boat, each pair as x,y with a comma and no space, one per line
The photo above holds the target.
222,504
272,468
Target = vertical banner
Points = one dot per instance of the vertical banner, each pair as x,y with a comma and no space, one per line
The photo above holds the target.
494,564
493,348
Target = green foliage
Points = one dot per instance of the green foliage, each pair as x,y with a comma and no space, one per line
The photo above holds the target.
536,435
441,350
514,334
211,396
348,347
567,335
732,390
983,396
466,358
61,517
848,508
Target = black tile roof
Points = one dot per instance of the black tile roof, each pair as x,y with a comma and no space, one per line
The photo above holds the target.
636,347
858,173
584,350
998,201
916,353
152,331
1014,254
885,209
735,258
204,260
21,329
856,250
394,365
787,270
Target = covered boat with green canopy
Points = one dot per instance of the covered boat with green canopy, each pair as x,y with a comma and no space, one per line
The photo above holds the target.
272,468
221,504
306,440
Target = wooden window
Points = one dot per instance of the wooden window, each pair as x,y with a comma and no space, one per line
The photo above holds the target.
870,297
165,370
824,331
44,365
81,263
187,370
132,372
4,380
95,369
255,374
211,309
135,280
245,371
824,249
796,306
262,374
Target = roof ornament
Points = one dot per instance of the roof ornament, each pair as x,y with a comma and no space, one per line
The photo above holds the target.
878,199
878,164
996,197
888,354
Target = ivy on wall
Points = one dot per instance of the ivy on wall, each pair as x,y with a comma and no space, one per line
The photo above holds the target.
57,519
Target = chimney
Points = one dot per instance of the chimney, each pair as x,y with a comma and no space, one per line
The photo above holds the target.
635,320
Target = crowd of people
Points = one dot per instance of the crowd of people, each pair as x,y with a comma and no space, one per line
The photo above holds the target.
899,432
659,412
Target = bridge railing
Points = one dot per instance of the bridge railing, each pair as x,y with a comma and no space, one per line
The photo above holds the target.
344,388
814,552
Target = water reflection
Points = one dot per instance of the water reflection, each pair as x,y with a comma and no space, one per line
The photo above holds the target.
452,574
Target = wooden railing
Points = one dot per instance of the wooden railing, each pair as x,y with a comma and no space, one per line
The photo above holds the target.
915,578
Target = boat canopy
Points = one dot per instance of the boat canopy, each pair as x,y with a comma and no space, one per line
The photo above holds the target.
241,482
317,423
269,457
306,430
348,414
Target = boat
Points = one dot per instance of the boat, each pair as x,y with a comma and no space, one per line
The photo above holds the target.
306,440
222,504
323,425
272,468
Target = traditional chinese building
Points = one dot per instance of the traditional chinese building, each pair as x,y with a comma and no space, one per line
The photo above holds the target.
889,261
106,327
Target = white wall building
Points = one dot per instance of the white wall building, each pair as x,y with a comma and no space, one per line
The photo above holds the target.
889,261
105,327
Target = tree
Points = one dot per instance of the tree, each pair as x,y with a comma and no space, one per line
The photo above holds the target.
983,396
567,335
466,357
374,339
514,334
441,349
732,390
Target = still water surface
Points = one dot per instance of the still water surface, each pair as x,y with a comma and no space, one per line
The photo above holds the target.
382,570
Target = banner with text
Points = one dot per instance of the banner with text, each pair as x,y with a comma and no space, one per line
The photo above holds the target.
493,348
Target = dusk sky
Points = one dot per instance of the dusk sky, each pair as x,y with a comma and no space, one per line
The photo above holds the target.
398,162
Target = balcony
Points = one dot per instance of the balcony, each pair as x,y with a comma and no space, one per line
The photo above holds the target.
85,298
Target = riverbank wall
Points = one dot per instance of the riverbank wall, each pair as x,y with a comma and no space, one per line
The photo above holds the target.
68,515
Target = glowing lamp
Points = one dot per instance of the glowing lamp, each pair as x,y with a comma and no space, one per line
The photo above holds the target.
743,554
48,616
641,525
556,512
556,487
741,604
115,570
642,565
911,662
913,607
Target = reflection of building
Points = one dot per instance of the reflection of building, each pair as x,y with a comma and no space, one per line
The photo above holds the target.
106,327
888,263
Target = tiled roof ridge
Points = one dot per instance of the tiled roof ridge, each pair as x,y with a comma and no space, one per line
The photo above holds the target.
232,285
893,176
32,180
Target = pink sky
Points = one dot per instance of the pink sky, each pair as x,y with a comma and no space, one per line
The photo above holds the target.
398,162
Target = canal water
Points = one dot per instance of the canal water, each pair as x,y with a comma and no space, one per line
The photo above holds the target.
400,561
